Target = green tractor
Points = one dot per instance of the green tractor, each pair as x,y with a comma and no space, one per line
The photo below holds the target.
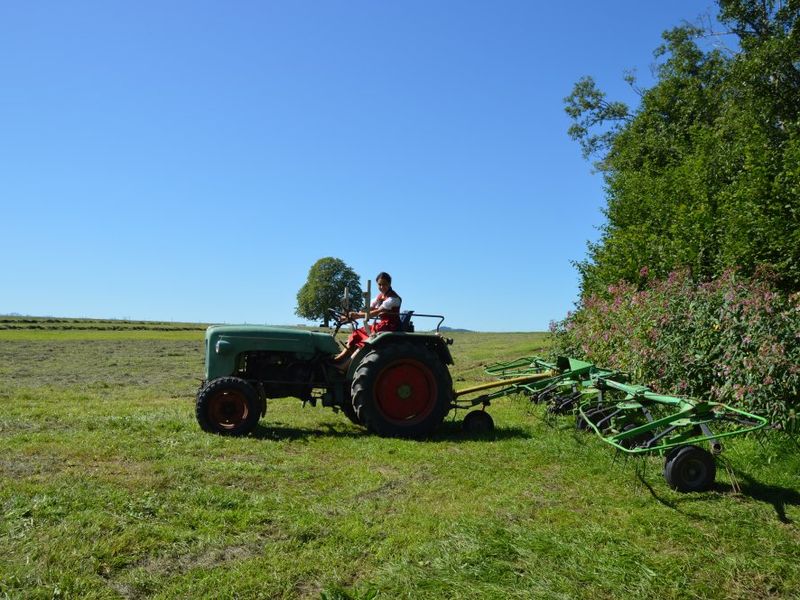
397,385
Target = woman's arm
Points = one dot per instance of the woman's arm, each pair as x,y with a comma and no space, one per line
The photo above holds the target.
374,311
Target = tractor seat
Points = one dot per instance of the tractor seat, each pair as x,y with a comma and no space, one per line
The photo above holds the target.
405,322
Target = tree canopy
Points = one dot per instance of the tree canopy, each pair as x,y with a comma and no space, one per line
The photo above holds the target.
705,173
324,289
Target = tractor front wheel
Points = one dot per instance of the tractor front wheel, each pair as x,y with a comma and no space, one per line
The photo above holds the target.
228,406
401,390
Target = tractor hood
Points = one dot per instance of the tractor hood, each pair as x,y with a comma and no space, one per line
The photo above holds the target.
224,343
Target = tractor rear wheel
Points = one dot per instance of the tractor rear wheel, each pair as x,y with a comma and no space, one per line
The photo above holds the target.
228,406
349,411
401,390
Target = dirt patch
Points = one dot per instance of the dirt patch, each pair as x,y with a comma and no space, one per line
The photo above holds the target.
169,566
24,467
207,558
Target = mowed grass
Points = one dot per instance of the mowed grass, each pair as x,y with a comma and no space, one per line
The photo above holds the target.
109,489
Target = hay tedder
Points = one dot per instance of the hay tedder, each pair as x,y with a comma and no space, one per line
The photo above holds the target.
631,418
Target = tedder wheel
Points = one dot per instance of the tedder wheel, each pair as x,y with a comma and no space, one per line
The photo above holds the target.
478,421
228,406
401,390
670,454
691,469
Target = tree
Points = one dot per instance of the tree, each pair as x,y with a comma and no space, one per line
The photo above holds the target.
324,289
704,174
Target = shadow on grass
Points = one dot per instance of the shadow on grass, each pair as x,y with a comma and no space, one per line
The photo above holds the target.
448,432
282,432
704,498
452,431
641,474
779,497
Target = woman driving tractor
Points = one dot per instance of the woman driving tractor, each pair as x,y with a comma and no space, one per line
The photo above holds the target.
385,306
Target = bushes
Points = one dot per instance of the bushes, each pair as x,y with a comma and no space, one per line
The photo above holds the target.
734,340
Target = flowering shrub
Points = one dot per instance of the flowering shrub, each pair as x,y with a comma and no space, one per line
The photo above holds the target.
734,340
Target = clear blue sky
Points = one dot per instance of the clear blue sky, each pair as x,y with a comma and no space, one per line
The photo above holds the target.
190,160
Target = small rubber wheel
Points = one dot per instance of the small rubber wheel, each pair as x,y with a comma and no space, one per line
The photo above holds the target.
670,454
691,469
228,406
478,421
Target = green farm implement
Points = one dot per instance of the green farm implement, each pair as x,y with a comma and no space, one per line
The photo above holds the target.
631,418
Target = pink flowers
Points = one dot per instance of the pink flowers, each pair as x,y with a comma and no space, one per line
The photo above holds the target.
733,339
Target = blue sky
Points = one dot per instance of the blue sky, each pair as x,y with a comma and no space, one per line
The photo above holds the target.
190,160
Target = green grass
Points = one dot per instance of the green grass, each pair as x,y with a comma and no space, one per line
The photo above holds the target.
109,489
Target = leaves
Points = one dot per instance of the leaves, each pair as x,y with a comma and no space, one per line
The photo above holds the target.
589,109
704,174
324,289
732,340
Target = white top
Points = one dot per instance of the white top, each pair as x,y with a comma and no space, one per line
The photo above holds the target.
388,304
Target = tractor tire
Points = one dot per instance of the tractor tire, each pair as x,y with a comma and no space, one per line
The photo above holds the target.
350,412
691,469
401,390
228,406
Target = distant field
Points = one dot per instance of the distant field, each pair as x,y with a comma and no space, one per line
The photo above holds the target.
108,489
55,324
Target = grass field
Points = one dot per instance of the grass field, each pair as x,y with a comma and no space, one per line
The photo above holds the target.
109,489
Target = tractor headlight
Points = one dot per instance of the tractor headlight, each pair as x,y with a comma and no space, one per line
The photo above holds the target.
223,347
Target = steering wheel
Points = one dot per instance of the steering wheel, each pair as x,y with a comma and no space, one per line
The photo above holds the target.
341,318
339,315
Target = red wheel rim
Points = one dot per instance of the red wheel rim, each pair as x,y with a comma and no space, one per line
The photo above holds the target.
406,391
228,409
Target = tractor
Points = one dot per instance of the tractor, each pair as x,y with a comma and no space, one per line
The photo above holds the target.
397,385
